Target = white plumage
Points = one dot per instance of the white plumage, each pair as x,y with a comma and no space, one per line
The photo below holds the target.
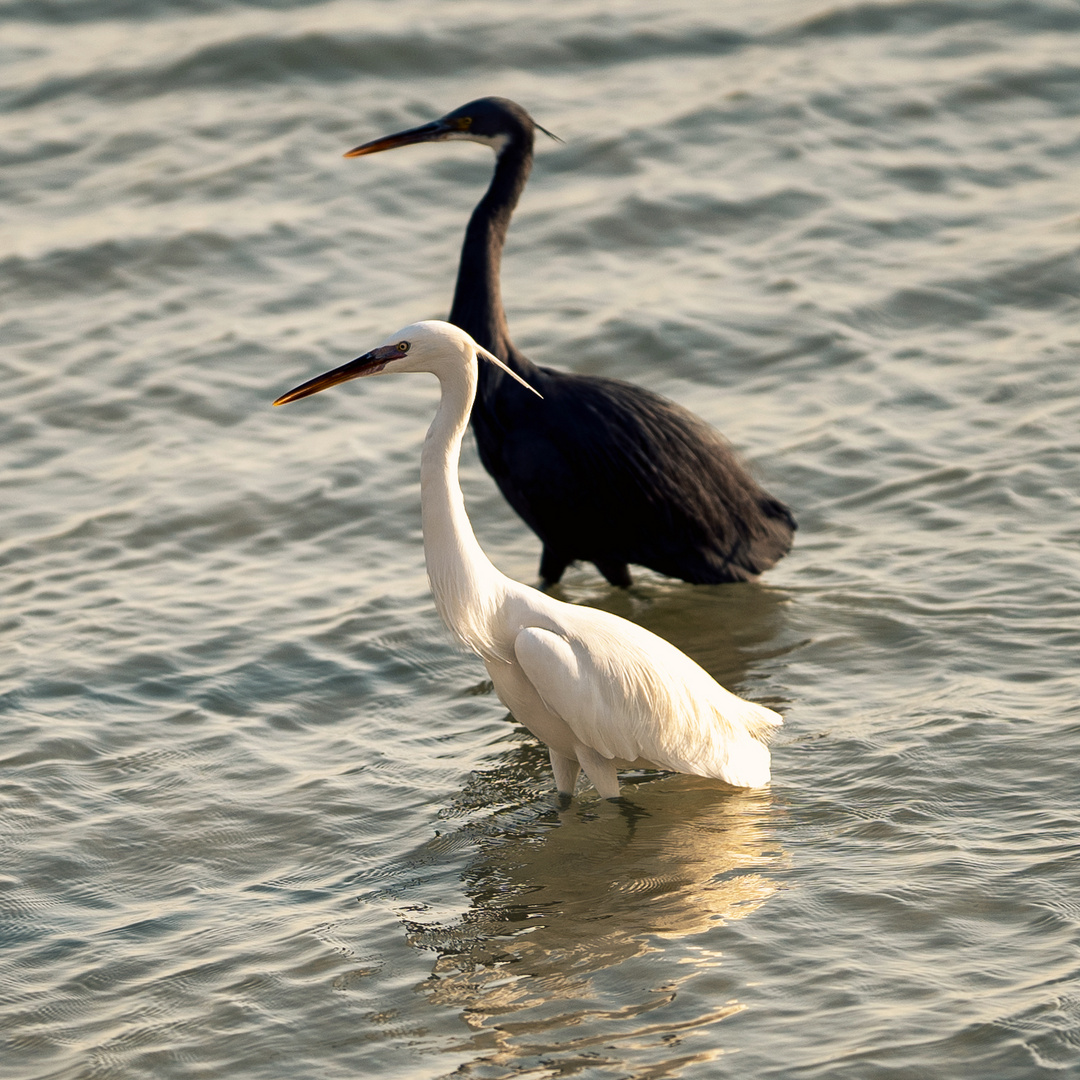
601,692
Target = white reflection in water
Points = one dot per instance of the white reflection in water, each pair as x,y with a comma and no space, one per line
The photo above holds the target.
559,951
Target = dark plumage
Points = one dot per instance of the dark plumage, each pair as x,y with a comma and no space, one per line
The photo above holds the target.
603,471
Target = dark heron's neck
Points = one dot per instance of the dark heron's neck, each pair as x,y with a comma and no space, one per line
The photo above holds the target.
477,307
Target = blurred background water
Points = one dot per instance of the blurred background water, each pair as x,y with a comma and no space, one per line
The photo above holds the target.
258,817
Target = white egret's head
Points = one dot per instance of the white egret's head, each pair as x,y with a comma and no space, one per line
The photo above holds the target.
423,346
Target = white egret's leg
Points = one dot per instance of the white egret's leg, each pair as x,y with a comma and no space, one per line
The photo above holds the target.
600,771
566,772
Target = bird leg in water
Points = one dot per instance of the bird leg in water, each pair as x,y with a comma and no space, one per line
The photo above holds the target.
600,771
617,574
566,773
552,567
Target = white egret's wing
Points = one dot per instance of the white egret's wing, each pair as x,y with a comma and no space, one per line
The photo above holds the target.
630,695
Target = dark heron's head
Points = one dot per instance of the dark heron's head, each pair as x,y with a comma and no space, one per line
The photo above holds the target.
495,122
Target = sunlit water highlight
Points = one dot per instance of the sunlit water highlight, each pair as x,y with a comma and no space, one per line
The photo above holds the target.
258,817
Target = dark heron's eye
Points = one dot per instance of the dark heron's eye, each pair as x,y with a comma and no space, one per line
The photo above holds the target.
403,346
464,123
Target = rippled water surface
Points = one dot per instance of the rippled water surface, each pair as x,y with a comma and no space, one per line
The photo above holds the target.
260,819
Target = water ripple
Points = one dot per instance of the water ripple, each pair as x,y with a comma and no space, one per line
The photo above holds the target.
258,815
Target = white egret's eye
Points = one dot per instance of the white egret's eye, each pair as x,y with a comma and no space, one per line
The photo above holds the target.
403,346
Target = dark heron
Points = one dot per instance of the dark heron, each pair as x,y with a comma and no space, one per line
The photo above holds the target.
607,472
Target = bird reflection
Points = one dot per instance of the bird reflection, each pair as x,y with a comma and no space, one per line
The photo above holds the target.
561,901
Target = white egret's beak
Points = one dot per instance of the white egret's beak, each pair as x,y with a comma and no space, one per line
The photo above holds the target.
370,363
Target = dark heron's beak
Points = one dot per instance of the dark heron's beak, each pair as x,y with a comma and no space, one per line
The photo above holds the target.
433,132
369,364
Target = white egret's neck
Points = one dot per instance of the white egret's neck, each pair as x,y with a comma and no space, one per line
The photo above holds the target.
466,587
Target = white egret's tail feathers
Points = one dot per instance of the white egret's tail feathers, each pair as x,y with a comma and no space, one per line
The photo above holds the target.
760,721
742,758
747,765
733,748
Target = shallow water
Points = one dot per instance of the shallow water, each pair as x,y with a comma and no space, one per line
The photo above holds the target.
259,818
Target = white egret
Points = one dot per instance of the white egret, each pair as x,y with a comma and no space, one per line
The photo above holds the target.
601,692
